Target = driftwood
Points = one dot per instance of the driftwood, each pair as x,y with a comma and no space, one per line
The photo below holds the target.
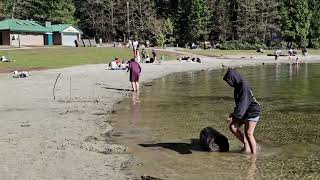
212,140
79,43
54,87
93,42
86,42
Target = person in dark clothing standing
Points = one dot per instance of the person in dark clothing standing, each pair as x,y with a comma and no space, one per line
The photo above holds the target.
154,55
247,111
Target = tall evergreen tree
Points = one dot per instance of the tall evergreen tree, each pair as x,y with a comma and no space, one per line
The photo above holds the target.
2,10
296,17
95,17
63,11
267,27
219,22
199,19
182,30
314,33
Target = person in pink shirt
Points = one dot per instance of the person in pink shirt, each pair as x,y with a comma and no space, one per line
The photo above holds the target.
135,70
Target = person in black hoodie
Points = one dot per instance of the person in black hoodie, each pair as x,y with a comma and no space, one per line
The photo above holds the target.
247,111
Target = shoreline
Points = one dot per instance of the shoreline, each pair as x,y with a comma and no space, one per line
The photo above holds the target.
71,138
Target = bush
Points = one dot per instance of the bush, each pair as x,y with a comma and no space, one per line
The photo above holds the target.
236,45
314,43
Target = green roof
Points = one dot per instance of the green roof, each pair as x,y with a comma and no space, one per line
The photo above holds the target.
61,27
22,26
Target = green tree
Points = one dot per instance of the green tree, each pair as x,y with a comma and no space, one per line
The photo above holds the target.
219,22
314,33
96,17
182,25
267,26
2,10
164,32
199,19
63,12
296,17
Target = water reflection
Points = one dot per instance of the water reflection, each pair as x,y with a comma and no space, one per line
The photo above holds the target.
135,108
278,71
252,169
296,68
176,108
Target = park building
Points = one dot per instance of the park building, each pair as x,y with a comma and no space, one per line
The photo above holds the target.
18,33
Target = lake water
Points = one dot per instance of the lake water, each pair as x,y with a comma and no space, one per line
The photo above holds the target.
161,125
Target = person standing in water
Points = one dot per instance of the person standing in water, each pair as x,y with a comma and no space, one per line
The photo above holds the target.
135,70
247,111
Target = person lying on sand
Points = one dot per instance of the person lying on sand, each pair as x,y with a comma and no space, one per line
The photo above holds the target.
247,111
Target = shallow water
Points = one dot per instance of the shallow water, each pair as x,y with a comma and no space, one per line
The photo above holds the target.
161,126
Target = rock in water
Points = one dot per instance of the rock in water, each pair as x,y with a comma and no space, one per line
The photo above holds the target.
212,140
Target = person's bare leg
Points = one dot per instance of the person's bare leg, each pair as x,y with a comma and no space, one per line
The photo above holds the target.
137,86
249,130
235,129
133,86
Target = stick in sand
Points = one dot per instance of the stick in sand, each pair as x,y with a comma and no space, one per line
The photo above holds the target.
54,86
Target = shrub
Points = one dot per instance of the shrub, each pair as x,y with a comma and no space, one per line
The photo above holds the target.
236,45
314,43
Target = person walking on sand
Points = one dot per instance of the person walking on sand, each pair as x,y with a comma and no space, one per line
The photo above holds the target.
154,55
135,70
247,111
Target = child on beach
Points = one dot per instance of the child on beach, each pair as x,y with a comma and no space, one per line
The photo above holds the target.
247,112
135,70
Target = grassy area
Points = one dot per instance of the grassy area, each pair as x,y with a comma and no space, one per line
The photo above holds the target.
314,51
49,58
218,53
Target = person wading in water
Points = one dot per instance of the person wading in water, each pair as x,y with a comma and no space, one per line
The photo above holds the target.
247,111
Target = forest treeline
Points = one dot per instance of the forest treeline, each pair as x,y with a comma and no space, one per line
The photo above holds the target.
234,24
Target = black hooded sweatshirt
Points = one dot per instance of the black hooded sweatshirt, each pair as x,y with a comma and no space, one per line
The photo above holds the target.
246,104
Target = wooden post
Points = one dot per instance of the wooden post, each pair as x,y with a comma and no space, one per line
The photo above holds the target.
128,19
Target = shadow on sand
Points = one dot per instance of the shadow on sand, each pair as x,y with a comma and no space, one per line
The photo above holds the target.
117,89
181,148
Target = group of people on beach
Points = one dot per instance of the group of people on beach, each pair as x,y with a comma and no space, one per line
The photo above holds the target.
144,57
187,59
292,55
133,65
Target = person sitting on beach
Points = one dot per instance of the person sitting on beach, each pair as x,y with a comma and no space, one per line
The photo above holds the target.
117,60
143,55
247,111
290,52
135,70
147,59
114,65
304,51
123,65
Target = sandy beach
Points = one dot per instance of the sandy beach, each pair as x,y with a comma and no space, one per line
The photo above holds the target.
71,137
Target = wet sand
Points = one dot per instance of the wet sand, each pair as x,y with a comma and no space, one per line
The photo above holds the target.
71,137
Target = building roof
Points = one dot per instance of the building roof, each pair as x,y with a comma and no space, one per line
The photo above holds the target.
22,26
61,27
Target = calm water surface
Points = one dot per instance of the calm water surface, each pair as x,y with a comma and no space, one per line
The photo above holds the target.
161,126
